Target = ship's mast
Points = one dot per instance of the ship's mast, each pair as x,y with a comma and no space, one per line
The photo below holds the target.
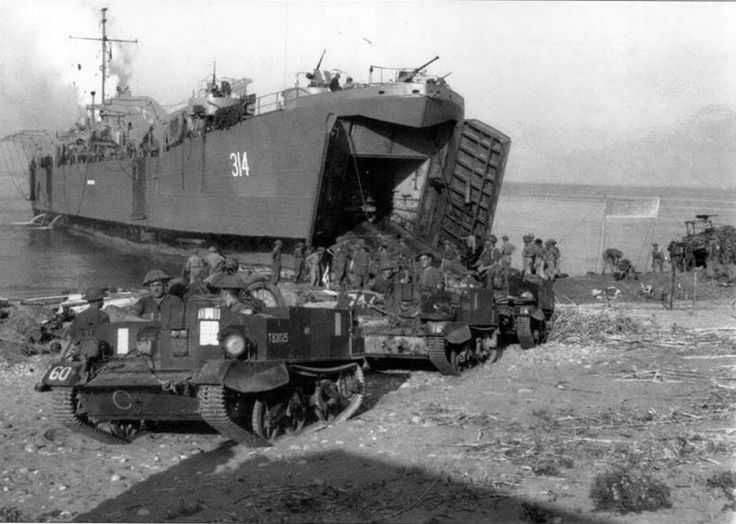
105,43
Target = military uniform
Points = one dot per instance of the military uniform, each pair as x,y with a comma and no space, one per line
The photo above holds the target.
169,310
538,257
611,257
657,258
276,262
527,254
194,268
313,267
299,262
85,323
214,260
360,266
507,249
340,262
430,279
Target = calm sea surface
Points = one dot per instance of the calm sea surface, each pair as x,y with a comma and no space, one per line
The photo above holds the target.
48,262
38,262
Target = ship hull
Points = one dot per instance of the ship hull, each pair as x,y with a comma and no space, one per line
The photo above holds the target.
297,173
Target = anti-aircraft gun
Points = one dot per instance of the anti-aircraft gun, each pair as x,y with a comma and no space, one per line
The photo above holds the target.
408,76
316,78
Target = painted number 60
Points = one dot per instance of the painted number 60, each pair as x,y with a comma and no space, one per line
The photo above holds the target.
60,373
240,164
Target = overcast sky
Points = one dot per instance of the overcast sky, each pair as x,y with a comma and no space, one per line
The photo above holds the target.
556,77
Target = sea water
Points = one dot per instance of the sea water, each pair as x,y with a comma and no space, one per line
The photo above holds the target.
38,262
41,262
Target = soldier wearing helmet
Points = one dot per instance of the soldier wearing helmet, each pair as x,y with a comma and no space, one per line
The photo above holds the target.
195,268
214,260
231,292
507,250
429,278
160,305
384,281
86,322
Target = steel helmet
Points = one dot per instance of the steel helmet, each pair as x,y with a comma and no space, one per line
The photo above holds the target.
155,275
94,294
231,263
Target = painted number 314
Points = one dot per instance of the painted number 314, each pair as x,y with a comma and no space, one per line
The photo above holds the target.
240,164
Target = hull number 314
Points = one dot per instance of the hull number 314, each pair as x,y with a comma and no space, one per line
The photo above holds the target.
240,164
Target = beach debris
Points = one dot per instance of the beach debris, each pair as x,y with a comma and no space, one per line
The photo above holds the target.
628,491
726,482
606,295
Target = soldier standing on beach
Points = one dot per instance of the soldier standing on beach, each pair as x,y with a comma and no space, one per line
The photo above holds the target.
538,252
214,260
507,249
657,258
360,265
194,268
313,262
551,260
527,254
276,261
340,261
299,262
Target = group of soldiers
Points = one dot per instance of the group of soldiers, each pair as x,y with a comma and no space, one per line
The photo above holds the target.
163,303
351,263
540,257
621,267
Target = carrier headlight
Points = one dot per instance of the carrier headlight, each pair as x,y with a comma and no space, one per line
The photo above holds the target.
234,345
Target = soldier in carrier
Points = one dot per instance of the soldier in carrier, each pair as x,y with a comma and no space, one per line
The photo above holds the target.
160,305
85,323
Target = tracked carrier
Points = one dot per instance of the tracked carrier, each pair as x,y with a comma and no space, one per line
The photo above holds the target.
458,329
250,377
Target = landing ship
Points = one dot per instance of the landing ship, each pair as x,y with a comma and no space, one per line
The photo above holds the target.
306,163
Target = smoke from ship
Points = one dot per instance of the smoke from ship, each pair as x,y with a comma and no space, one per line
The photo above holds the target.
46,78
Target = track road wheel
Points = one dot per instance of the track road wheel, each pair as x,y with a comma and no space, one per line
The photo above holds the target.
66,411
275,415
336,398
442,357
126,429
220,408
524,332
460,359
